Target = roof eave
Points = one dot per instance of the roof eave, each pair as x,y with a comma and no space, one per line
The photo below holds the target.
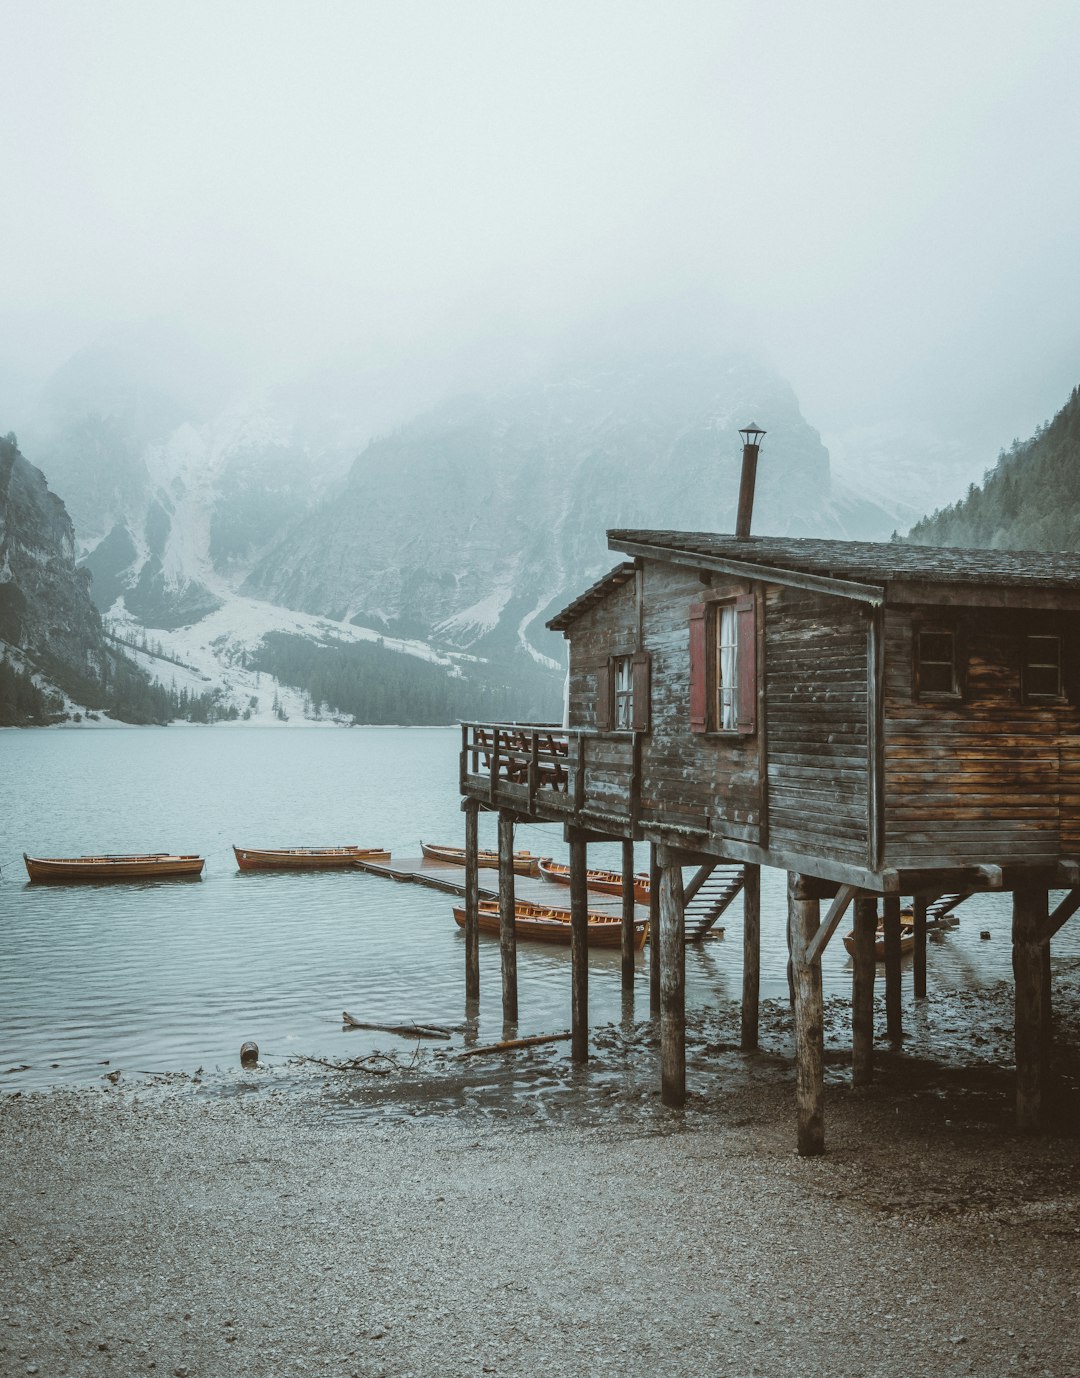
872,594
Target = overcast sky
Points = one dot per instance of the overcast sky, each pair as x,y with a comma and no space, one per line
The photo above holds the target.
882,198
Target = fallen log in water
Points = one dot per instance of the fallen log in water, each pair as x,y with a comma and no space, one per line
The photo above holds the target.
508,1045
406,1030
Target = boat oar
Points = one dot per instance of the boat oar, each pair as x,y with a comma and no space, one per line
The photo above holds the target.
406,1030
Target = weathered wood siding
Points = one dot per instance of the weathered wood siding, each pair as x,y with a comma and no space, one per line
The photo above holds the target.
816,722
687,776
611,628
988,778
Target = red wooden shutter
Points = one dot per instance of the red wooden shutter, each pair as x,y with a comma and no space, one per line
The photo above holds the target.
746,641
699,670
603,697
640,679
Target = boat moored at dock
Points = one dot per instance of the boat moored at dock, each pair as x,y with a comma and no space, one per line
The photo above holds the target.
607,882
548,925
304,858
525,864
113,866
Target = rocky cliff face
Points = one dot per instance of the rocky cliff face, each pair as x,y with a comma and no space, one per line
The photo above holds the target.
476,520
45,604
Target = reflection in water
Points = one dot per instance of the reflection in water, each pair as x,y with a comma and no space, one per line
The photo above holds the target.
159,975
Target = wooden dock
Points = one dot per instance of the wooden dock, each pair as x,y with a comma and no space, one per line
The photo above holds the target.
441,875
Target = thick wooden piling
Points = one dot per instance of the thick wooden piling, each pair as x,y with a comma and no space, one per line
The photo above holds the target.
918,972
804,915
472,901
629,913
751,971
507,930
1029,919
864,970
654,932
672,982
894,1023
579,947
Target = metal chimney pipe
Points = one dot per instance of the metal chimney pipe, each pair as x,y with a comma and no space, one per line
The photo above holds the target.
751,445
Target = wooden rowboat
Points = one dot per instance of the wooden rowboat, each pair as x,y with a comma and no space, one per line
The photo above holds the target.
907,942
124,866
541,924
304,858
609,882
525,864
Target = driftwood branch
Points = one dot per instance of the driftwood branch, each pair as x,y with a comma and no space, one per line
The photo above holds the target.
357,1064
510,1044
406,1030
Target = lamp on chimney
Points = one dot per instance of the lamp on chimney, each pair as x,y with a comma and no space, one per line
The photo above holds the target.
751,435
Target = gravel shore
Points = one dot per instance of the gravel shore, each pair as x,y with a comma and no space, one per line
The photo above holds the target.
515,1217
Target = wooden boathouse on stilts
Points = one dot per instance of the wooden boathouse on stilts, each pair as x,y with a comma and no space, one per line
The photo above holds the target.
881,721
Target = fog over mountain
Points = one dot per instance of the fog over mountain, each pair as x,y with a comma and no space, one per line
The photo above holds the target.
387,321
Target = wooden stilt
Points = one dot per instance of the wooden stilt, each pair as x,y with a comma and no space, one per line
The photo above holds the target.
507,931
862,992
579,948
672,983
654,932
629,913
804,918
790,964
919,955
894,1024
1029,917
472,901
1047,1010
751,971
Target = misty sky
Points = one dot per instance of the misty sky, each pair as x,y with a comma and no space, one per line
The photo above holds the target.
883,199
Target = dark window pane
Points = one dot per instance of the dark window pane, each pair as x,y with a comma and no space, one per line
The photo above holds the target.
936,679
1042,680
936,646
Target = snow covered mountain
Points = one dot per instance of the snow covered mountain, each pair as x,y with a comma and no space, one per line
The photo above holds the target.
473,522
214,520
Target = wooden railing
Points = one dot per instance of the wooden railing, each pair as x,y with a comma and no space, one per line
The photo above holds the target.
573,769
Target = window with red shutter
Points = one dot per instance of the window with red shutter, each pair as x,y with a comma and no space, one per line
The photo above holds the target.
699,669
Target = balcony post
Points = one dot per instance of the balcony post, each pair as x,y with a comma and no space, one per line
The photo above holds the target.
629,914
507,929
579,947
472,901
672,982
751,974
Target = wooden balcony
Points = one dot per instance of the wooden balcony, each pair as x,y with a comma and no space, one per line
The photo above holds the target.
546,772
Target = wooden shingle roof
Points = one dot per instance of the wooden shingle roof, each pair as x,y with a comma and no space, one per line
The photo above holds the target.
620,575
868,565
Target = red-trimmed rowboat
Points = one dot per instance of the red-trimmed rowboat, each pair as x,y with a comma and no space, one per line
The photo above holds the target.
125,866
546,925
525,864
304,858
610,882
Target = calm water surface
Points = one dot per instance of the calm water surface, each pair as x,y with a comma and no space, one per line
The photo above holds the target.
158,976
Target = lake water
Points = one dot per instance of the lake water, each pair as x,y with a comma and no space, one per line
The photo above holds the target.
174,976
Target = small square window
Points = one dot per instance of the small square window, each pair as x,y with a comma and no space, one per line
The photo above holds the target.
936,664
1042,668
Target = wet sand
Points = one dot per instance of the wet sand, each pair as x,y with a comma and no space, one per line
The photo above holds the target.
513,1215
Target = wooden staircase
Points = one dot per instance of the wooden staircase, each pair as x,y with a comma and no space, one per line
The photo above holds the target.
710,897
943,905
